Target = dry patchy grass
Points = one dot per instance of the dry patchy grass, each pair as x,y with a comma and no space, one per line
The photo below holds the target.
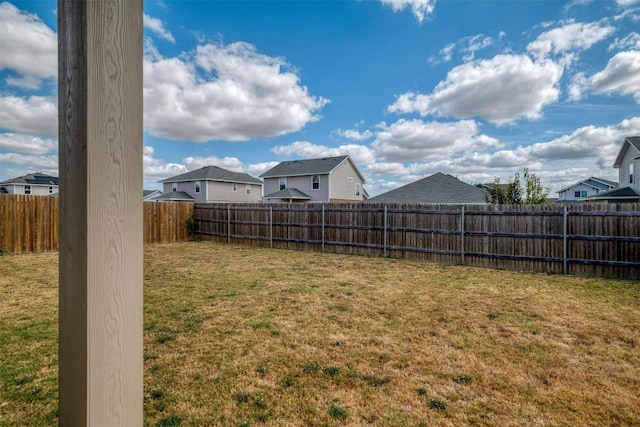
240,336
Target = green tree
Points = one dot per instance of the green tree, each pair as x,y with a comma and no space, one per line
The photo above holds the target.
531,192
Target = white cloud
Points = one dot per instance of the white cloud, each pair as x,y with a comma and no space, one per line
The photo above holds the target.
499,90
599,144
157,169
229,163
416,140
568,39
157,27
231,93
34,162
258,169
355,134
29,47
621,75
421,9
631,41
27,144
36,115
360,154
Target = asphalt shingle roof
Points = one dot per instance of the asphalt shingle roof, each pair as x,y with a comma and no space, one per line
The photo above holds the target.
288,193
176,196
304,167
214,173
437,188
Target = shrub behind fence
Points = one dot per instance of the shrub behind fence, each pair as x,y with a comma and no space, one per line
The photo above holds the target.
30,223
586,239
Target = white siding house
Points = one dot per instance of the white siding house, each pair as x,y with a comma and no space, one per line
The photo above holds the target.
36,184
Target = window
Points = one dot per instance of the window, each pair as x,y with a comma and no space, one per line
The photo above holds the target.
315,182
357,188
283,183
197,187
27,189
631,173
583,193
247,189
579,194
234,187
576,194
174,186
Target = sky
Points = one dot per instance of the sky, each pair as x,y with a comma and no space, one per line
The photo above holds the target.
407,88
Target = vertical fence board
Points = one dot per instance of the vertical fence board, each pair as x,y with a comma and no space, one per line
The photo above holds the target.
602,240
30,223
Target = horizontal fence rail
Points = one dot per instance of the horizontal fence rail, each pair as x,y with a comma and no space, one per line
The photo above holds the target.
30,223
599,240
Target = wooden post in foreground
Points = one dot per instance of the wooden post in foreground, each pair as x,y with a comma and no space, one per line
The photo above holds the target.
100,149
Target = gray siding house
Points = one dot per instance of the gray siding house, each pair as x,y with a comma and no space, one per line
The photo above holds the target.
437,188
326,180
37,184
578,192
212,184
628,164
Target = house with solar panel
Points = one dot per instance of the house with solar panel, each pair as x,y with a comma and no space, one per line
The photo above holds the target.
35,184
212,184
325,180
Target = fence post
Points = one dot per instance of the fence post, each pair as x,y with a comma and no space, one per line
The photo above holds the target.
228,224
564,241
462,236
323,228
384,233
271,226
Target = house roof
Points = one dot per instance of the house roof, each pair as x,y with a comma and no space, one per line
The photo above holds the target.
175,196
36,178
288,193
632,142
321,166
607,182
214,173
622,193
437,188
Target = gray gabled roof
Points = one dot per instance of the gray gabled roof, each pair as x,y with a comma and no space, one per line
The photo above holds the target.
175,196
437,188
214,173
630,141
622,193
36,178
612,184
288,193
305,167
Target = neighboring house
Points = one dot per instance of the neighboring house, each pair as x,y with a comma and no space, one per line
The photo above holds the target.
578,192
437,188
38,184
628,164
148,195
213,184
326,180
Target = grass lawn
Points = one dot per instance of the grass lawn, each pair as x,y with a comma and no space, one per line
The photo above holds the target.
244,336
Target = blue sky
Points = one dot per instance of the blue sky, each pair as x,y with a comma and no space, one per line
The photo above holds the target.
407,88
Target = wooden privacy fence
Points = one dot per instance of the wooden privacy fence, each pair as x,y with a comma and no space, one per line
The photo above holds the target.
585,239
30,223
